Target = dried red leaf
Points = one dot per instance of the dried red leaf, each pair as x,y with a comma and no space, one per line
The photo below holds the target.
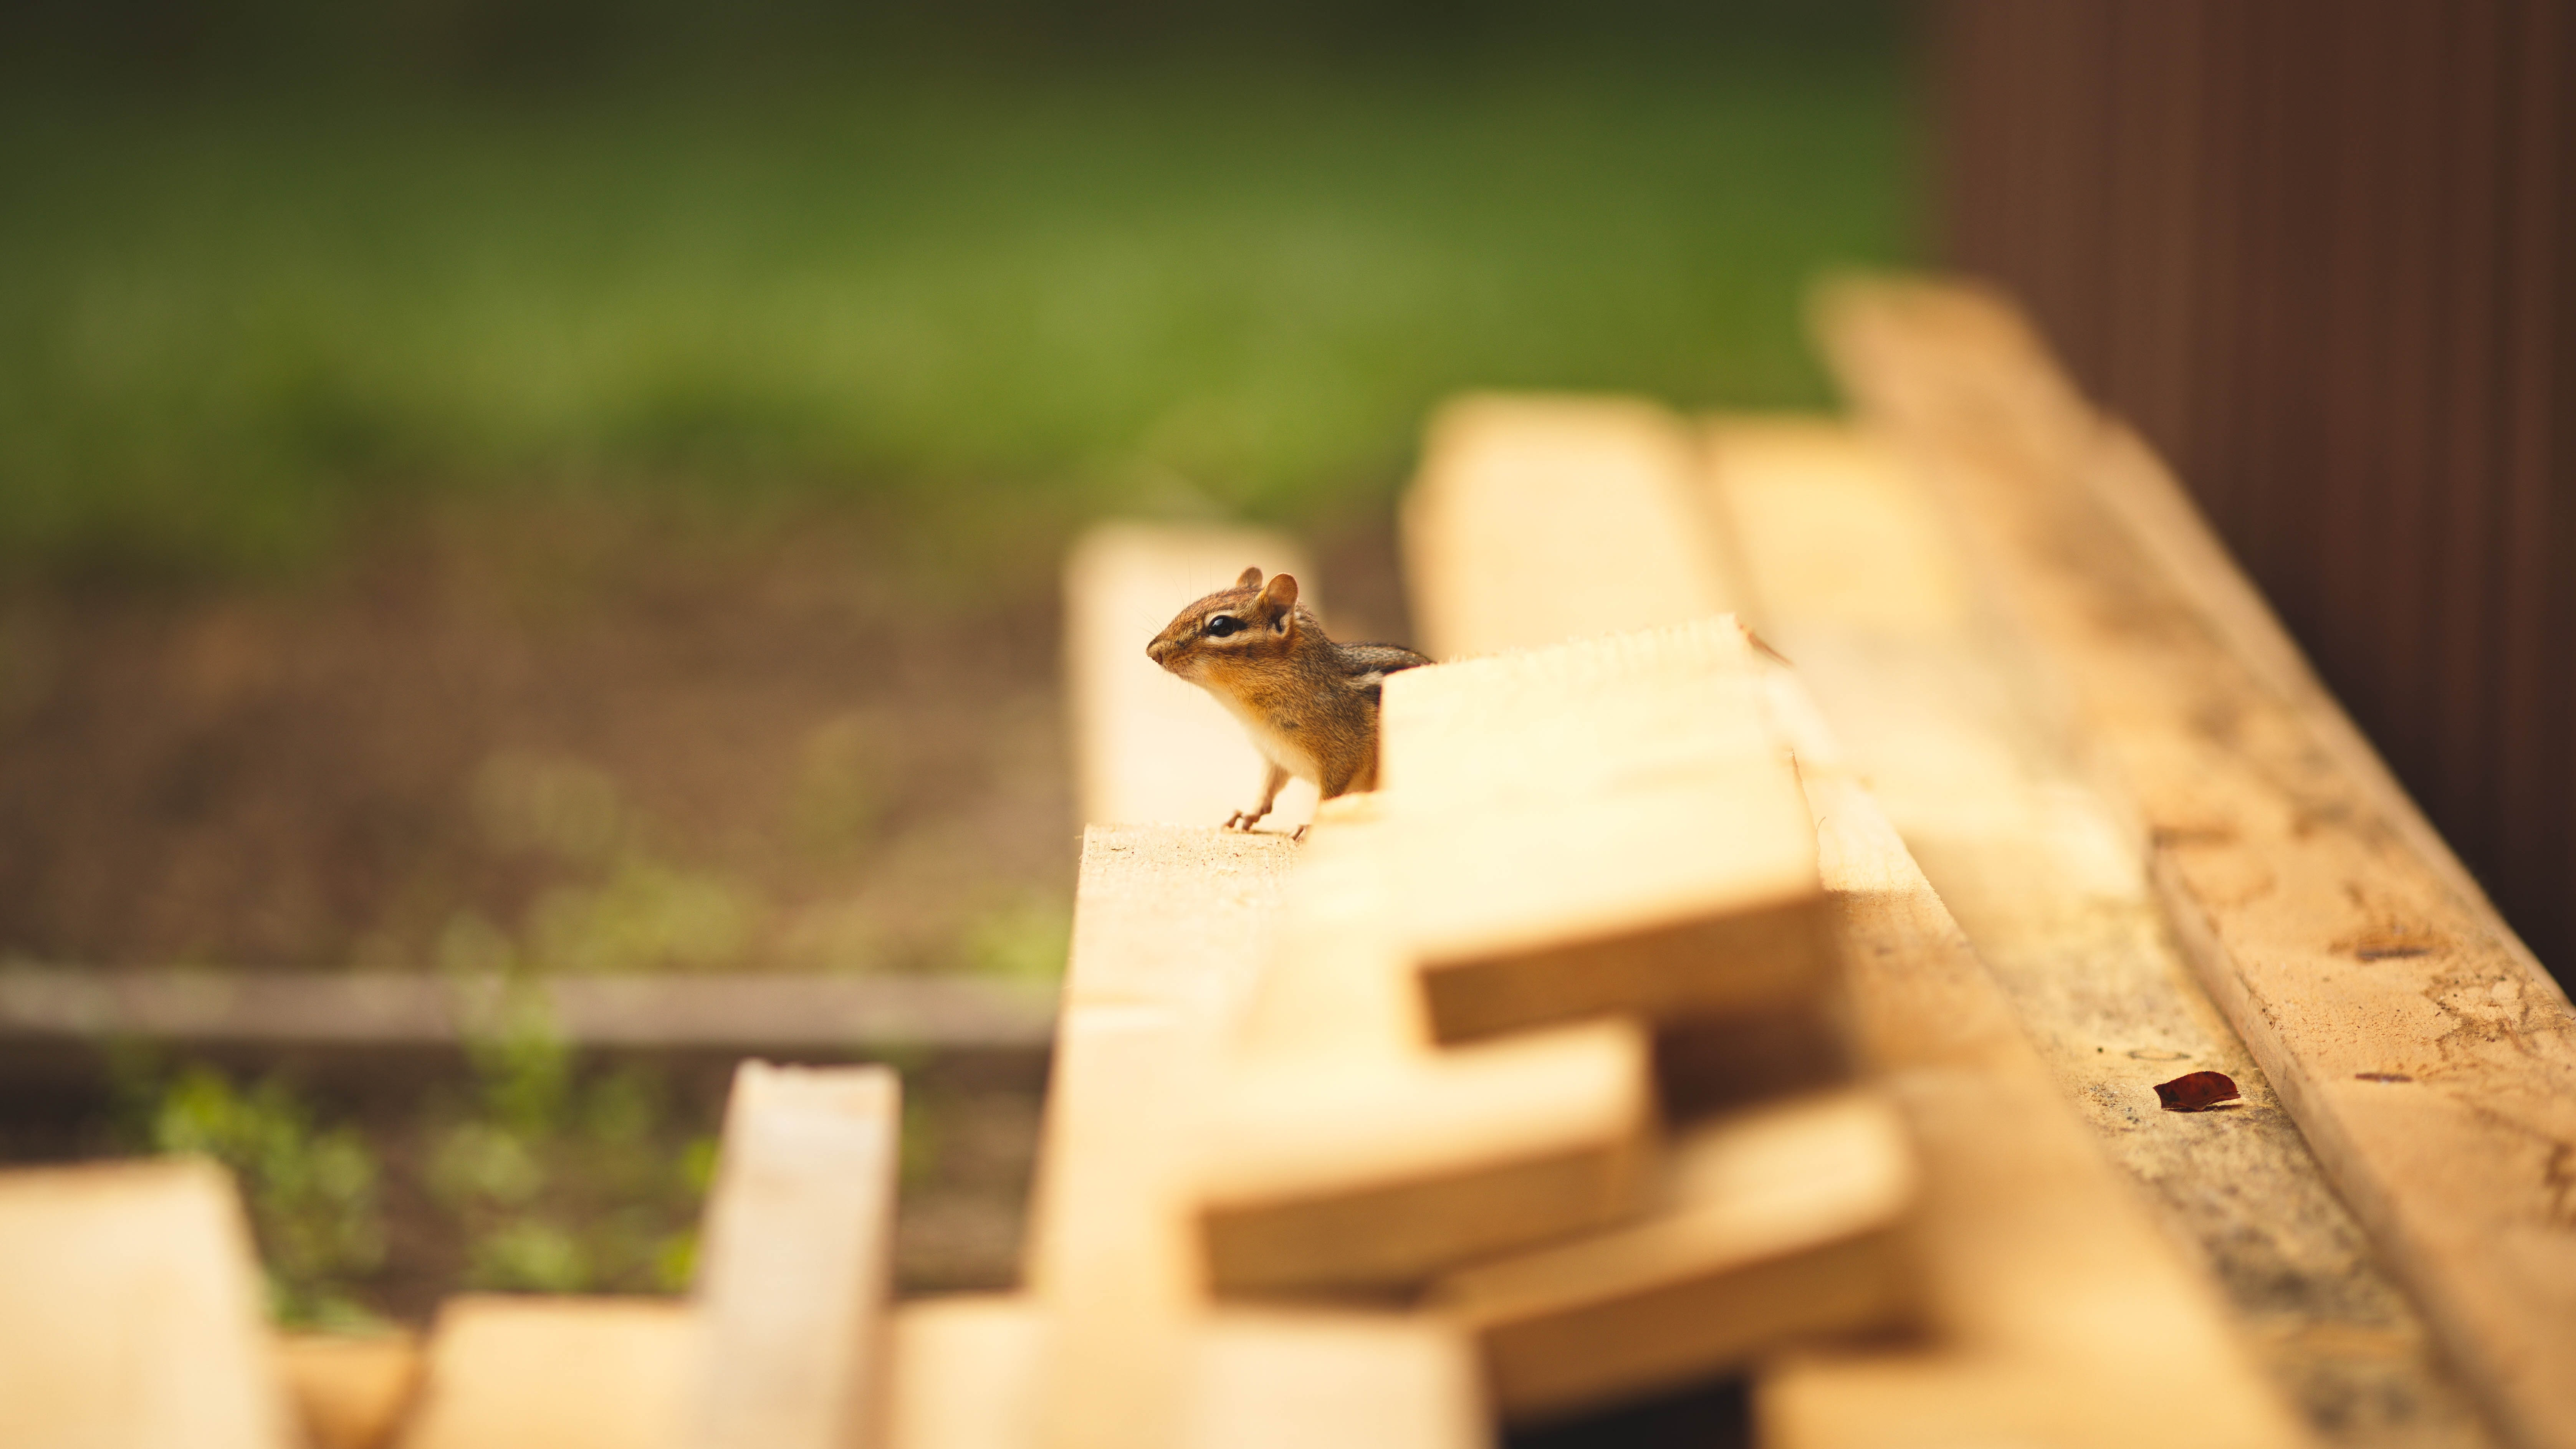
2197,1091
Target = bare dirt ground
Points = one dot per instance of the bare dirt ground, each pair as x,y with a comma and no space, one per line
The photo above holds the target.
590,740
572,738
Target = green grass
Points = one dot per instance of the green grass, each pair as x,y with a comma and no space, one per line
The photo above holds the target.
225,325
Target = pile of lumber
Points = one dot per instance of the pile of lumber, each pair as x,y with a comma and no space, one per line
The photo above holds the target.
1619,1045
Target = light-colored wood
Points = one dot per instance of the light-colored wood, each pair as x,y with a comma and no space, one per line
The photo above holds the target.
350,1392
1770,1225
1337,1150
2429,1062
555,1373
967,1372
1601,826
1519,495
1170,926
2060,1312
1829,533
1288,1379
130,1311
1150,748
1355,1174
793,1273
967,1377
1861,582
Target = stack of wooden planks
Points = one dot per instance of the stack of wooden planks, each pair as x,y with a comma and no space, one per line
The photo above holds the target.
1618,1043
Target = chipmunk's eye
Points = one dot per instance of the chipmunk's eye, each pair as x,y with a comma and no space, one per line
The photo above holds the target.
1220,625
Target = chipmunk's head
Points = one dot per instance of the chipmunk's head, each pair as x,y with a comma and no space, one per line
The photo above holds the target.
1230,628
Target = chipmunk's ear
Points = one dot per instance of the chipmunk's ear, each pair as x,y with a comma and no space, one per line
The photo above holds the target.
1279,600
1251,579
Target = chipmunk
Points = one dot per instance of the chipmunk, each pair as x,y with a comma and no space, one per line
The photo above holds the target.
1309,704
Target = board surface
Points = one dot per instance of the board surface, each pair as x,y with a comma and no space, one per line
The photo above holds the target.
2427,1059
793,1274
131,1311
555,1373
1860,579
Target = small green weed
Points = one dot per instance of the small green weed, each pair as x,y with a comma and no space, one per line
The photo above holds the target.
311,1190
561,1182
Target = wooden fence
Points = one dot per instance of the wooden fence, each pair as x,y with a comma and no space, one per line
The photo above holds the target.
2323,254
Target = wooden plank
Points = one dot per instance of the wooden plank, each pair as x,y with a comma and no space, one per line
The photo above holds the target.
967,1374
1317,1174
792,1277
1516,498
1170,925
1860,581
132,1311
1170,928
555,1373
2061,1313
2430,1063
1338,1150
1150,748
1550,817
350,1391
1771,1226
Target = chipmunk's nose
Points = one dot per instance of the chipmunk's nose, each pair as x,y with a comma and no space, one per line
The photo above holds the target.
1156,650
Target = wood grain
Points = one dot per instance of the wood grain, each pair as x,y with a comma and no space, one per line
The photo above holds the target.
1861,581
793,1273
132,1311
2430,1064
2061,1313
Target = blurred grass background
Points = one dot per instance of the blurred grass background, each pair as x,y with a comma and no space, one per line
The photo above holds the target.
266,266
611,454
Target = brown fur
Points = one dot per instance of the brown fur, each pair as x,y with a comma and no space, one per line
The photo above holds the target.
1309,704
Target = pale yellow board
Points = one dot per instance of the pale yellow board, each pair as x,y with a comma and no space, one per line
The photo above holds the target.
1340,1172
350,1392
1518,498
2040,1269
968,1375
1771,1225
794,1263
1336,1150
1148,747
2061,1313
1862,583
556,1373
1829,533
1170,926
1599,826
2427,1058
130,1312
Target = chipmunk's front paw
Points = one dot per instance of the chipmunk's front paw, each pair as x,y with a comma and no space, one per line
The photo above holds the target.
1243,820
1299,833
